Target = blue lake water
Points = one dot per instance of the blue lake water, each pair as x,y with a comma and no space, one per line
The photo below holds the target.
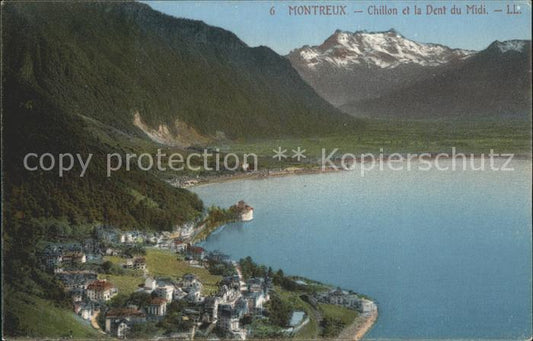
444,254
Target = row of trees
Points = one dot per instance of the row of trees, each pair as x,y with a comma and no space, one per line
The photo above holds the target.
251,269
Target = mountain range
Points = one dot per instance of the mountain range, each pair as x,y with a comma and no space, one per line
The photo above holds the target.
384,74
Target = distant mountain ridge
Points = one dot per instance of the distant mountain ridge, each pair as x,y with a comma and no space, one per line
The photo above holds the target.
379,74
494,83
356,66
387,49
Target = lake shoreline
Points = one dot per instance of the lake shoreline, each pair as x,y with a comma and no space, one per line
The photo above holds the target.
259,175
362,324
294,171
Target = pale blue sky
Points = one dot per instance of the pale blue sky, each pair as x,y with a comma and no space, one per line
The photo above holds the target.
251,21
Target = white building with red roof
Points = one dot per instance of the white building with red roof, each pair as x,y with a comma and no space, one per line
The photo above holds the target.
101,290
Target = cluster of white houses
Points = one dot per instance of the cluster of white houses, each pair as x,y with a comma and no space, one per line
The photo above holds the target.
234,300
135,263
86,291
66,261
346,299
174,241
161,239
56,257
114,236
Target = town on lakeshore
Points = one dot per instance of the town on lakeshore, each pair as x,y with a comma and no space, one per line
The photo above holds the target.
131,284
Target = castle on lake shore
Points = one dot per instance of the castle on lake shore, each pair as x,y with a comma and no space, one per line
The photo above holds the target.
246,212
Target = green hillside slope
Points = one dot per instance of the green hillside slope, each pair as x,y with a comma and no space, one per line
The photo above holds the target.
111,60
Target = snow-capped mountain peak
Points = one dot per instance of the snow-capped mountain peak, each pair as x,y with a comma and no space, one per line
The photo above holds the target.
509,45
387,49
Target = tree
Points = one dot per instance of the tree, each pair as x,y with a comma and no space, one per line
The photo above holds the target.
140,299
331,327
107,266
278,277
280,311
143,330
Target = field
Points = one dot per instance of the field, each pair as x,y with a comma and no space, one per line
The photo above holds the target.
165,264
346,315
161,263
401,136
126,284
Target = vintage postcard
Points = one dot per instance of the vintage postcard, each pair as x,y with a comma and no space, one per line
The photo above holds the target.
212,170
